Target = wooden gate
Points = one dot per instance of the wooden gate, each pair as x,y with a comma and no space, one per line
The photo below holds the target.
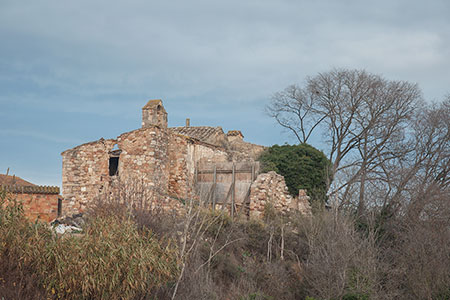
226,184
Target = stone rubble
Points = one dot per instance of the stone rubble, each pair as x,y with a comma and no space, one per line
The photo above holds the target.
270,188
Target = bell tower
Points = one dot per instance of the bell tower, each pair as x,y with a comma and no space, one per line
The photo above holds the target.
154,114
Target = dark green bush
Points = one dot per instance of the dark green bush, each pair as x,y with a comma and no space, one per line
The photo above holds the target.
303,167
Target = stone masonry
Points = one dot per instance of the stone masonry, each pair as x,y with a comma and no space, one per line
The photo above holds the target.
270,188
162,158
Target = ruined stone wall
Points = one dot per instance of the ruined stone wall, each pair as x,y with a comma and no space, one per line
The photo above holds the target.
184,156
85,171
143,156
271,188
179,175
165,161
244,151
202,153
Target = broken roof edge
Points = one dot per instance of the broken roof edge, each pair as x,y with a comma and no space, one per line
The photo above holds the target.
150,127
197,141
116,140
87,144
214,127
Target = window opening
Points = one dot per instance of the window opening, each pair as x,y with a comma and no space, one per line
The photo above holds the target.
113,166
59,207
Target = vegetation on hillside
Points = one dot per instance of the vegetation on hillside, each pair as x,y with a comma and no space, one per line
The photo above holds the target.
131,252
111,259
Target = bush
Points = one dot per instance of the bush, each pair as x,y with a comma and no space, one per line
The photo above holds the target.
303,167
340,263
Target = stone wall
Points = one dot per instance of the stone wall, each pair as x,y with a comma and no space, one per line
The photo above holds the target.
144,156
184,156
142,153
85,171
271,188
244,151
179,175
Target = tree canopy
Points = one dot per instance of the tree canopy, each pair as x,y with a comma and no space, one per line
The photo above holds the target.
303,167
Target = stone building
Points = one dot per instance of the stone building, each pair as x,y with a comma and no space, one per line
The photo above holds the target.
176,163
39,202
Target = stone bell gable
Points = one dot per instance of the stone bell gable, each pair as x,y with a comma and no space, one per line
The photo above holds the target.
154,114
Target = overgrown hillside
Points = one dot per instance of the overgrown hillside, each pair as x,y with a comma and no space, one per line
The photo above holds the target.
133,253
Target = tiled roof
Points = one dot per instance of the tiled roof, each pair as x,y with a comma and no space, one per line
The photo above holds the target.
13,180
14,184
33,189
202,133
235,133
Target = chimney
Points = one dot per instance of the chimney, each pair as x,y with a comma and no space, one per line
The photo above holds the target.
188,122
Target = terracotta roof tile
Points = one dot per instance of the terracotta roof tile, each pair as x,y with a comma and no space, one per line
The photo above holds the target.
202,133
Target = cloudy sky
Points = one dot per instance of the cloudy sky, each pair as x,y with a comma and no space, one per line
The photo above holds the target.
76,71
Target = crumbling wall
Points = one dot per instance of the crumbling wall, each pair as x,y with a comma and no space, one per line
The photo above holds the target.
179,174
270,188
244,151
165,160
143,156
85,170
184,156
203,153
301,203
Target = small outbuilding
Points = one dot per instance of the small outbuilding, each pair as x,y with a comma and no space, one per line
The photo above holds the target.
39,202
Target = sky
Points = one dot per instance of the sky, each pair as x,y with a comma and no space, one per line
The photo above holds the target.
75,71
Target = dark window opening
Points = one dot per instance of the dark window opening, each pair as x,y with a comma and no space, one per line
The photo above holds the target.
59,207
113,166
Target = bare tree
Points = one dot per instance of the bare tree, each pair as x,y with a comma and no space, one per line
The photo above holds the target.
294,109
425,167
361,116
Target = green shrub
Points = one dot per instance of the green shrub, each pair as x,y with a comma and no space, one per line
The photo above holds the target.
303,167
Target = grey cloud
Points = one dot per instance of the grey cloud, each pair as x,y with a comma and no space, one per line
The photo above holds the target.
238,49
